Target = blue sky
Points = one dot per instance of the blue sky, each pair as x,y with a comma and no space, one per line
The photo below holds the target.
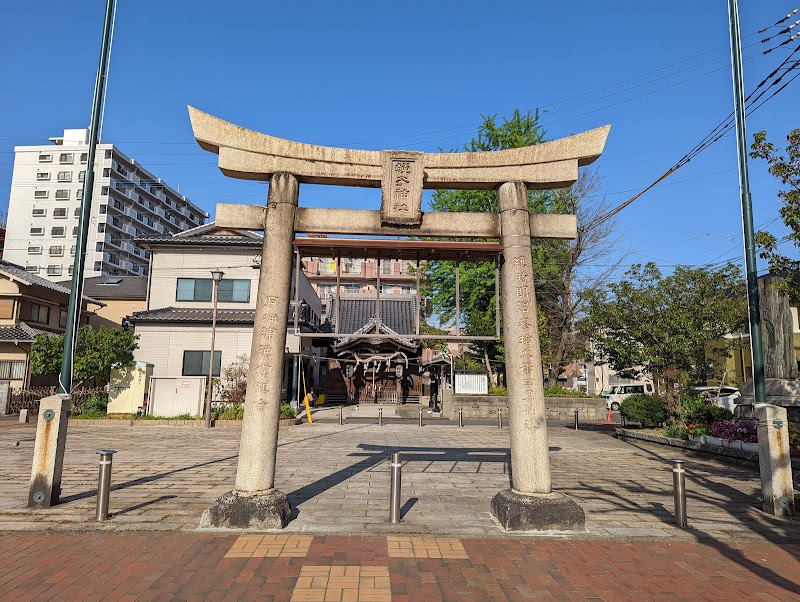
414,75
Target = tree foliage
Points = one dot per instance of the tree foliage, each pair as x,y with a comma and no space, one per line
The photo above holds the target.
96,352
560,267
671,328
787,169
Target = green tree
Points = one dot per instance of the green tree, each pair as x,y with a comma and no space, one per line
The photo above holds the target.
96,352
787,170
671,328
561,268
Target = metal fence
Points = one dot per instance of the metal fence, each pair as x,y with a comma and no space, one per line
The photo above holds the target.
28,399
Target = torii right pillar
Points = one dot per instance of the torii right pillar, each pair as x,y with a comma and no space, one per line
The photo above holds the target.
531,503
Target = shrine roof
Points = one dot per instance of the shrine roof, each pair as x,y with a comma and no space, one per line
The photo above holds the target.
398,312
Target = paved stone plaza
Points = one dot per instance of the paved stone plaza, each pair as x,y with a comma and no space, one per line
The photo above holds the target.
337,478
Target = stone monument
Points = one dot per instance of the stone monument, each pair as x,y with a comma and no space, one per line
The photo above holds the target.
780,358
401,176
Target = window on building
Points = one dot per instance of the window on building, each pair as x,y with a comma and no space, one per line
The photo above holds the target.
40,313
42,175
54,270
106,172
195,363
45,158
108,154
12,369
351,288
38,212
408,290
81,175
77,212
72,250
62,193
57,251
104,190
326,265
37,231
66,158
200,289
74,230
387,289
352,266
62,318
58,231
33,269
84,157
60,212
386,267
34,250
69,270
40,194
64,176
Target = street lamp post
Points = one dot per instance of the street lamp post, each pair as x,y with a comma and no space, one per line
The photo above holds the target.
216,276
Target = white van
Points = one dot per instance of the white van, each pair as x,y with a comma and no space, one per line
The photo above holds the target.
617,393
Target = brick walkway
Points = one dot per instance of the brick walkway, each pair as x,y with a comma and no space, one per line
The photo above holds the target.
182,566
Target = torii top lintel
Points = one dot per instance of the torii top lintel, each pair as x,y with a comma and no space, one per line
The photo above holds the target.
402,175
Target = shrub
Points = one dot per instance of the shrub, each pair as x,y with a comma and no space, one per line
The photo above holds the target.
676,430
734,431
698,430
647,409
697,409
502,391
559,391
234,412
288,411
94,406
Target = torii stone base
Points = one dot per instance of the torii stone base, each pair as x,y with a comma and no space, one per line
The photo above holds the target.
261,511
537,512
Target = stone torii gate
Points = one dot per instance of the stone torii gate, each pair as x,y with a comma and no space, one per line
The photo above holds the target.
401,175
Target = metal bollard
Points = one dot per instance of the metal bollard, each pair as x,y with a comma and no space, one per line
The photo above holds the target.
341,415
576,419
104,483
420,416
679,492
499,418
380,416
394,487
460,417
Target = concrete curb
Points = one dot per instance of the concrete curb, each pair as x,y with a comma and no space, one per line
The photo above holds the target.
727,455
111,422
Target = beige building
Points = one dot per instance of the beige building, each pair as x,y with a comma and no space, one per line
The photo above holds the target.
175,328
128,201
30,306
121,296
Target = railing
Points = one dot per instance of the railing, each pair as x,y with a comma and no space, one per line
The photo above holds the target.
28,399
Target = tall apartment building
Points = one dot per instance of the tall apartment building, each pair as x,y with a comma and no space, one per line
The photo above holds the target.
128,201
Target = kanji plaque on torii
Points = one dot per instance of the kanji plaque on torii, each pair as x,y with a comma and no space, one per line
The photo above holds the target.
402,175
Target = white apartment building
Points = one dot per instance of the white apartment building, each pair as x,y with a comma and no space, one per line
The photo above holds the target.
128,201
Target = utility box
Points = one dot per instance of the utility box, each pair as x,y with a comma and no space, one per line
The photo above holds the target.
177,396
128,388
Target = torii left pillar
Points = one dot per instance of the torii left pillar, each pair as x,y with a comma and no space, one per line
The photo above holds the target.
255,503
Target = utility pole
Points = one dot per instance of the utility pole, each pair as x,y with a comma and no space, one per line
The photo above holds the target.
76,288
751,269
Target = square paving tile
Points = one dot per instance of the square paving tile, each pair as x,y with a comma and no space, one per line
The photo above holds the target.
270,546
342,584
